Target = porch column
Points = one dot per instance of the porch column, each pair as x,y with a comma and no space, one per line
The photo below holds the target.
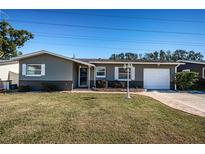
94,76
88,77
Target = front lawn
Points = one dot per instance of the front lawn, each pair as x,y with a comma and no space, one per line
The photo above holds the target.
94,118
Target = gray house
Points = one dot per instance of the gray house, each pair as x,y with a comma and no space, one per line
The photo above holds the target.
43,67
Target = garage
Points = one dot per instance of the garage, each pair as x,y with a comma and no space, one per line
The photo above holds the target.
156,78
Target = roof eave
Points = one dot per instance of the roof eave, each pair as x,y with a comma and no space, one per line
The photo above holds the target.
50,53
194,62
147,63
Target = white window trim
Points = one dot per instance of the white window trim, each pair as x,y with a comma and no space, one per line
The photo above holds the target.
99,76
203,72
186,70
124,79
34,75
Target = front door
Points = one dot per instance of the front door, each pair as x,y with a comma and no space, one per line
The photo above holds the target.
83,77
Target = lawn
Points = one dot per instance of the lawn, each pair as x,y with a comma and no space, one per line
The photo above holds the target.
94,118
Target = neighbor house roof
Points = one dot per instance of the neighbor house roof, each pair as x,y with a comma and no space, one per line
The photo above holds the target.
6,62
50,53
123,61
194,62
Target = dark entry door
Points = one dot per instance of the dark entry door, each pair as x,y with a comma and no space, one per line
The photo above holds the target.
83,77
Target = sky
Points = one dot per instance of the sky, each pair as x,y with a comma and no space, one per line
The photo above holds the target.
100,33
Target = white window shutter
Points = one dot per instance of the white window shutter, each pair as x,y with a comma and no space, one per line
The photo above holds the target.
133,73
116,73
23,69
43,71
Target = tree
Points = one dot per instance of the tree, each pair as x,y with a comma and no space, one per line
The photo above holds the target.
11,39
131,56
127,55
162,55
156,55
194,56
168,56
179,55
149,56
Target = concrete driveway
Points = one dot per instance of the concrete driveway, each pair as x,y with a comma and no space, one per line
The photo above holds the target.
192,102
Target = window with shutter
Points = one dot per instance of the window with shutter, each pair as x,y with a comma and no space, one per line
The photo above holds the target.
121,73
35,69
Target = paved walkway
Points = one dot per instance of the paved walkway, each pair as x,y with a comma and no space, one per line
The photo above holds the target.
188,102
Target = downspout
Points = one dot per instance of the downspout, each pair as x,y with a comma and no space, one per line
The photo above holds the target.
175,85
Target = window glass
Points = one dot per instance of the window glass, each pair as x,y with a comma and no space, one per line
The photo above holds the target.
186,70
122,73
100,72
34,69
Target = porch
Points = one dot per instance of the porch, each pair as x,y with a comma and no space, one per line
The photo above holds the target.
84,76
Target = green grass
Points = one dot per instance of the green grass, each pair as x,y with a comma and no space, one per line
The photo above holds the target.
94,118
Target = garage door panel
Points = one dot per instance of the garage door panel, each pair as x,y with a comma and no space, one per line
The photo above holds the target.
156,78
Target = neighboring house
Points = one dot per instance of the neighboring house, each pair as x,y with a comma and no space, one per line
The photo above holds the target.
9,73
43,67
194,66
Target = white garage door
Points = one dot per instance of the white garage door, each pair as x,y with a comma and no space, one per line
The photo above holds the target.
156,78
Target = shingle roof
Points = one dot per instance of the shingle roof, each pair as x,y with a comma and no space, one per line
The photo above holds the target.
50,53
99,60
195,62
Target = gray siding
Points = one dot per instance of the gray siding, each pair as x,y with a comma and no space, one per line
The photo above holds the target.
56,69
138,82
110,71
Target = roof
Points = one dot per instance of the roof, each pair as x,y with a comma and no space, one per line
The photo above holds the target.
49,53
6,62
122,61
194,62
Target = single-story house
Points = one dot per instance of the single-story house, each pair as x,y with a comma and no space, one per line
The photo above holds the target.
9,73
44,67
194,66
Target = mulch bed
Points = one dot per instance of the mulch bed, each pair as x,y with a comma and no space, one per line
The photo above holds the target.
118,89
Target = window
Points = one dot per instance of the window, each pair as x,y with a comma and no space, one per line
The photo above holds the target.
122,73
33,70
203,72
101,72
186,70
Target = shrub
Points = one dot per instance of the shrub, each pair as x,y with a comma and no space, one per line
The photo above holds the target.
118,84
24,89
49,87
101,84
186,80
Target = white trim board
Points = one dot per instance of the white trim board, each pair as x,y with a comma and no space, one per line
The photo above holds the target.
203,73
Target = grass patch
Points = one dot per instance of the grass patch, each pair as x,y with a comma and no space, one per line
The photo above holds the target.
94,118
